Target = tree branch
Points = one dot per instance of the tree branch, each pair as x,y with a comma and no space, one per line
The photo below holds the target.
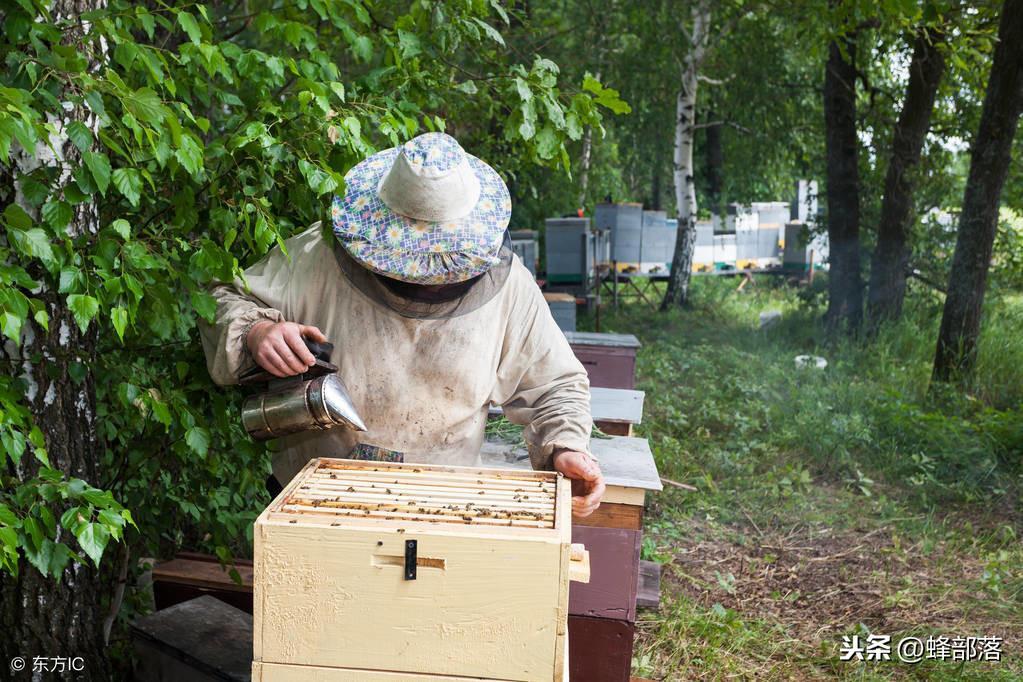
713,81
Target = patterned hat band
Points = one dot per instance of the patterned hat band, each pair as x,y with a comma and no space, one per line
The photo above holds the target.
415,192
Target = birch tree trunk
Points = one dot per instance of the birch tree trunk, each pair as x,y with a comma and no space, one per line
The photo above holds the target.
845,284
891,255
584,165
989,165
39,617
677,294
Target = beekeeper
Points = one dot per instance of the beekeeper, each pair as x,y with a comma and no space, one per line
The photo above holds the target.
432,317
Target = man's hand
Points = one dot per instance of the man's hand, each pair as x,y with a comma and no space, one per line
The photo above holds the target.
278,347
587,481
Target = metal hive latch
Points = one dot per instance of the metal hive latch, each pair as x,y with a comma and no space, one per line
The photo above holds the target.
411,552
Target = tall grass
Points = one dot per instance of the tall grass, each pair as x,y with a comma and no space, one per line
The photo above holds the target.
727,403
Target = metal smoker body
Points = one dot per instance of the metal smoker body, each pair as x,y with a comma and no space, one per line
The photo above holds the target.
317,399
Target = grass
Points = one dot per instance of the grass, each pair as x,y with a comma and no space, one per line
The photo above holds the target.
830,502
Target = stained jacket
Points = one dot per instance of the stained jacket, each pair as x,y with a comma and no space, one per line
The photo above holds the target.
422,386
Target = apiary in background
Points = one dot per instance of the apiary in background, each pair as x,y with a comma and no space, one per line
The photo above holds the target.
523,243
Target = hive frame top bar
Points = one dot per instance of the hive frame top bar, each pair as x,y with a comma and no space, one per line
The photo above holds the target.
553,503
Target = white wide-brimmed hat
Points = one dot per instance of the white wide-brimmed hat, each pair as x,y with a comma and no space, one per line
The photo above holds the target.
425,212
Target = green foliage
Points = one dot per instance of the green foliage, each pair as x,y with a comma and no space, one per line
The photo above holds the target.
745,418
783,459
205,136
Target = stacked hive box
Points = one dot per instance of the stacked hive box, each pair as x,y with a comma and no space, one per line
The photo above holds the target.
771,219
602,613
625,224
703,252
570,256
743,221
657,242
374,571
523,243
609,359
562,307
724,251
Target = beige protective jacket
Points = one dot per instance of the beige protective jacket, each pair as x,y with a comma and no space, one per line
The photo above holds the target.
422,386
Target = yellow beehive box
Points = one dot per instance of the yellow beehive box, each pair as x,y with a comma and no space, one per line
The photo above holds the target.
378,571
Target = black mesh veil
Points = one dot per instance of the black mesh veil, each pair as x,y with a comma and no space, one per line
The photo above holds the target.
400,297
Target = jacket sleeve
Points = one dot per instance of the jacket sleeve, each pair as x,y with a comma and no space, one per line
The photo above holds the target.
262,295
549,389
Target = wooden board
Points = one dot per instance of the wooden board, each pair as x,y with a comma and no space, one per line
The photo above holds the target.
603,339
614,428
610,405
203,639
189,575
613,515
599,649
614,573
625,462
273,672
617,494
648,594
557,296
608,366
330,590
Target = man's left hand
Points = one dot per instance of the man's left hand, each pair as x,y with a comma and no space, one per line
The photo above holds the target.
587,481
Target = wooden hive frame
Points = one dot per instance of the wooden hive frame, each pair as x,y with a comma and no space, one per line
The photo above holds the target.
444,501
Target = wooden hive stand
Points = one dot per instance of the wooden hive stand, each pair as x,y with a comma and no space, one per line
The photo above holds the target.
602,613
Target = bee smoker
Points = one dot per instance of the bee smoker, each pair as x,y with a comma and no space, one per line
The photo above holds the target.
316,399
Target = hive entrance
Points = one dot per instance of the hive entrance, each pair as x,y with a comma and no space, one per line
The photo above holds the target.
348,488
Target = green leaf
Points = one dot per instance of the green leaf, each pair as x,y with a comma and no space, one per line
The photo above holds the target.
57,213
9,544
41,555
119,318
99,166
122,227
59,558
80,135
189,153
145,105
198,439
546,143
318,180
205,305
522,87
128,182
93,537
72,518
7,517
13,443
496,4
99,498
362,48
34,243
191,27
16,217
491,32
33,531
10,326
84,309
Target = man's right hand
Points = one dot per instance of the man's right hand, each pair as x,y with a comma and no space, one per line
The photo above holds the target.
278,347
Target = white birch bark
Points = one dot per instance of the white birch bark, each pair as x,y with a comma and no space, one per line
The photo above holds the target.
685,133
